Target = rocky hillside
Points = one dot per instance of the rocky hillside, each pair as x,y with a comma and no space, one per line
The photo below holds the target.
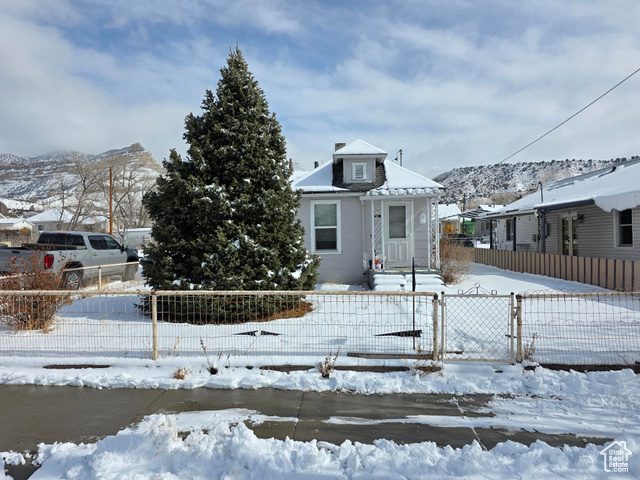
506,182
35,179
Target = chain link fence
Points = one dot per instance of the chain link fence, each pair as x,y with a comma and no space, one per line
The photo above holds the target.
477,327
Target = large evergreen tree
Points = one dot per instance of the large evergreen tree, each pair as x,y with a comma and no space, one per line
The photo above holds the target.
224,218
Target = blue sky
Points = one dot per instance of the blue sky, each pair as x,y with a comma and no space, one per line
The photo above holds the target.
450,83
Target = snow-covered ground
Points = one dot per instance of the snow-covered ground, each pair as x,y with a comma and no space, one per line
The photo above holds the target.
218,444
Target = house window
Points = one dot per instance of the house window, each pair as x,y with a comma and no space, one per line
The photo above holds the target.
359,171
625,228
40,228
325,226
509,229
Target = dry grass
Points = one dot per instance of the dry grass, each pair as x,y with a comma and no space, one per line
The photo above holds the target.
328,365
31,312
454,261
297,312
181,373
529,348
423,364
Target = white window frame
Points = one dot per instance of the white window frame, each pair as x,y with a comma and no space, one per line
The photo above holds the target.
338,227
364,171
616,230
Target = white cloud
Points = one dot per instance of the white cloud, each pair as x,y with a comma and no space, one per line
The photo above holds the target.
451,85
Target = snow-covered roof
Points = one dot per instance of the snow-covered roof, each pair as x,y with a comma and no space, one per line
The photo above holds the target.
359,147
4,221
51,215
318,180
399,181
446,210
610,188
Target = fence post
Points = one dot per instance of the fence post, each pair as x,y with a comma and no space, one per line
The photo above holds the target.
519,328
511,324
435,327
443,339
100,277
154,318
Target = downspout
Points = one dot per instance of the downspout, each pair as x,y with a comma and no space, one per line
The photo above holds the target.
543,230
362,239
513,233
491,244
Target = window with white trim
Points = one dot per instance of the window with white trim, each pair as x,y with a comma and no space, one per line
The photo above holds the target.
325,226
625,228
359,171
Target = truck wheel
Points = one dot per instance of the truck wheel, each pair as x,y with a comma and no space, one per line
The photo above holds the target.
72,280
129,272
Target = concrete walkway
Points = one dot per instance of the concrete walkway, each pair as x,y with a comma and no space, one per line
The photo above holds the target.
30,415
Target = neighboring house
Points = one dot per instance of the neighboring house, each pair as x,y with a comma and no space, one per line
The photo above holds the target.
56,219
14,229
449,219
592,215
361,212
474,223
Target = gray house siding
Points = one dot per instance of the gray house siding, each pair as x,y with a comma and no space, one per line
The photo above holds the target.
596,233
346,266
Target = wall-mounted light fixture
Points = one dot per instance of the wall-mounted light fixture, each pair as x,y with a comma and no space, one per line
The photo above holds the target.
580,218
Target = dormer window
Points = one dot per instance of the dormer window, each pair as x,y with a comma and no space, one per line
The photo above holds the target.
359,171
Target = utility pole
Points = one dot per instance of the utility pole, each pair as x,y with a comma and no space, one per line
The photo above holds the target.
110,200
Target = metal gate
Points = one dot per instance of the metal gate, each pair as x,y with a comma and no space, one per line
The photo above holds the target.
477,327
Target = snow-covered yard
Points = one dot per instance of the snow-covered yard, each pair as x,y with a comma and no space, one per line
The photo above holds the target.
217,444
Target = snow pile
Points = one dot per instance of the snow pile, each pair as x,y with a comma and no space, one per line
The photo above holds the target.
222,446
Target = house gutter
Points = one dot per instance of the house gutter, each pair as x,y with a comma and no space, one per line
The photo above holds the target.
561,206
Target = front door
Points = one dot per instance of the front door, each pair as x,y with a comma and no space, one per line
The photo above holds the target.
398,234
569,237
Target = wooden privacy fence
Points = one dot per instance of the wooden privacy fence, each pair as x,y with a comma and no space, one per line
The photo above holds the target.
611,273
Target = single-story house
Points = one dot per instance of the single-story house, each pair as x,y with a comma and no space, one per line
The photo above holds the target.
12,229
57,219
449,219
361,212
592,215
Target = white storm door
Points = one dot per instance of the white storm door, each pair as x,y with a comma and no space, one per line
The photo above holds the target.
398,234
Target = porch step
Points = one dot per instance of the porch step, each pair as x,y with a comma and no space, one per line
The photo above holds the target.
401,282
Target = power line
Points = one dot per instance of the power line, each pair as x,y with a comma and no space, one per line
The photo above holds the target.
578,112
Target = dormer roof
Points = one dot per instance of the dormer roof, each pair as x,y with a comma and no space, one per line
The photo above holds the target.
359,148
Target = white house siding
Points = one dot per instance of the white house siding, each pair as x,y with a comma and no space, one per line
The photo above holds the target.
345,267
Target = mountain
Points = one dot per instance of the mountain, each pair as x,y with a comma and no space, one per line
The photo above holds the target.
504,183
36,179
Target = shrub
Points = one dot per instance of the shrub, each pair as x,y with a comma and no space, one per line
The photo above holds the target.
228,308
454,261
31,311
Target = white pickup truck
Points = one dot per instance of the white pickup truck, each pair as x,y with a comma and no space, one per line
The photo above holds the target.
70,252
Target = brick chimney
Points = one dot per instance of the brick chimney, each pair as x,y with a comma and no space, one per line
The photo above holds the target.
338,146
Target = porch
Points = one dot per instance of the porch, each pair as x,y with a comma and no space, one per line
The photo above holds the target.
403,228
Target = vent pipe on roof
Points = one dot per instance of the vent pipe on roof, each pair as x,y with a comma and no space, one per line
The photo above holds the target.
541,193
316,164
338,146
